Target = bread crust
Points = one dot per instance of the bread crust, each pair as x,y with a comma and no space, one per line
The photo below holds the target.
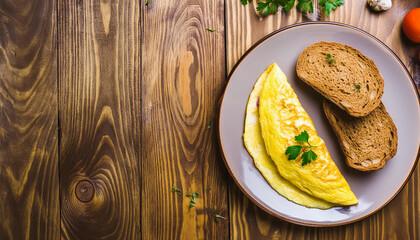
367,142
352,81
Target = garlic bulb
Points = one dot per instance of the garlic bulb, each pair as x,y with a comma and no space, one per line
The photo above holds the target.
380,5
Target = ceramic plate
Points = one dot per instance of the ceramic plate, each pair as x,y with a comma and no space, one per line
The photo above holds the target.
373,190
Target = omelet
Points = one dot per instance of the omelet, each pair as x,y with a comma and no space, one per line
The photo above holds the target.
255,145
282,117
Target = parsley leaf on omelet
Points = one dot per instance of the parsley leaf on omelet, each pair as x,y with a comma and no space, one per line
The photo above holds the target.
303,137
308,157
294,151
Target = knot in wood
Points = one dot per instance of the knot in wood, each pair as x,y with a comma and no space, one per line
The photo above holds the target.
85,191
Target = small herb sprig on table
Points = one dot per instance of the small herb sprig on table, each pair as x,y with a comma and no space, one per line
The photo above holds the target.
216,216
329,5
271,6
294,151
175,189
210,125
192,197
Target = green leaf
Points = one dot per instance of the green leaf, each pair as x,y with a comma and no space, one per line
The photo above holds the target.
302,137
329,5
210,30
305,6
338,3
330,58
274,7
293,151
308,156
147,2
271,6
210,125
217,216
174,189
333,6
192,197
263,8
245,2
288,5
358,86
327,8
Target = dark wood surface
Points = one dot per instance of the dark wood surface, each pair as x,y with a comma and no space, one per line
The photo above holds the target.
105,105
99,113
29,158
183,72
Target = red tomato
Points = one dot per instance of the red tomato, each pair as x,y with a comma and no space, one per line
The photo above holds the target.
411,25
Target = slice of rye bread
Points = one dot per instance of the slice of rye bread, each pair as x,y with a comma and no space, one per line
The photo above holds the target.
351,80
367,142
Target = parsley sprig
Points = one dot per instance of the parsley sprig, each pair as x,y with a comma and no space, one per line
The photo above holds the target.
216,216
192,197
329,5
177,190
294,151
305,6
330,58
271,6
210,125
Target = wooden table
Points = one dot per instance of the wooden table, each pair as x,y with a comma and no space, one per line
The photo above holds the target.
105,105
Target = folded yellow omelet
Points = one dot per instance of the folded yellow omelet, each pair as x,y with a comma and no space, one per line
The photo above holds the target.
282,117
255,145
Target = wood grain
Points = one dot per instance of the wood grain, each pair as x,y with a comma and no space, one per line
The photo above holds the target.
400,218
135,113
29,205
99,111
183,73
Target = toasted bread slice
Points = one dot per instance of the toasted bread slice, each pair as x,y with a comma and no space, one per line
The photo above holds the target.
367,142
343,75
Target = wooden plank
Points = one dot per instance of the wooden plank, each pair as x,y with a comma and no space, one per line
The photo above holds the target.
243,29
400,218
99,105
29,184
183,73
